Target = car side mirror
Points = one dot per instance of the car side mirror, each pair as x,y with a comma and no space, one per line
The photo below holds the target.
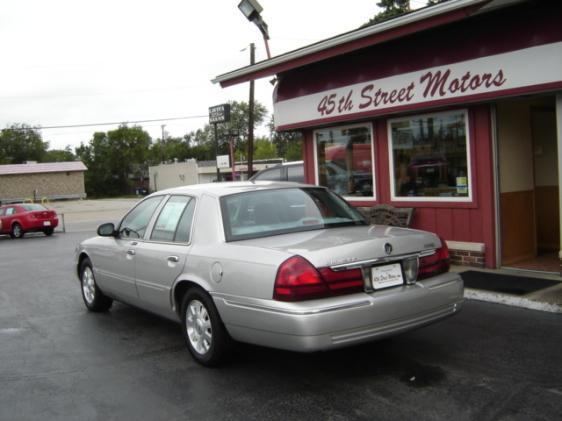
107,230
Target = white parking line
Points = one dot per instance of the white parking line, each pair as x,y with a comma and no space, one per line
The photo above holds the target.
11,330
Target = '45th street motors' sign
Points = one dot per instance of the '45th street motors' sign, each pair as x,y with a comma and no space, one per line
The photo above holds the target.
472,79
219,113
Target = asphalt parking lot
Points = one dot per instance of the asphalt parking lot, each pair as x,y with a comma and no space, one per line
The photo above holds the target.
57,361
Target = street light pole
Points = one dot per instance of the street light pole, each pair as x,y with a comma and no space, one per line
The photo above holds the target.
251,117
251,9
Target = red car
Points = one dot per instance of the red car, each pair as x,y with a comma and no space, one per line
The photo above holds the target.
17,219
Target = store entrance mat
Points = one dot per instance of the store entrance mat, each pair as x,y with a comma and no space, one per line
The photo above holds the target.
508,284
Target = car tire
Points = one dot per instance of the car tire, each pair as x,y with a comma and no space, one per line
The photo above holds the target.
48,231
17,231
203,330
94,299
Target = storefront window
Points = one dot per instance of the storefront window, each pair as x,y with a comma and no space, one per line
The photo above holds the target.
429,157
344,160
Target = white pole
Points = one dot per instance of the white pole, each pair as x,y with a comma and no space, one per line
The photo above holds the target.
559,135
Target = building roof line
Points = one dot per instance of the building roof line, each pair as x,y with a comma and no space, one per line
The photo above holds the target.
44,167
421,19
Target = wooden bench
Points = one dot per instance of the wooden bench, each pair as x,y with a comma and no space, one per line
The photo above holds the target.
389,215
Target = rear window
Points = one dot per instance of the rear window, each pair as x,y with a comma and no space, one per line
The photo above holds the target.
271,212
33,207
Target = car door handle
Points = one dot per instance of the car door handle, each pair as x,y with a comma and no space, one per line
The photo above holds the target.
131,252
174,259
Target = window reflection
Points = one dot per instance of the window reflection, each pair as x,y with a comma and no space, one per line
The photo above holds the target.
429,156
344,158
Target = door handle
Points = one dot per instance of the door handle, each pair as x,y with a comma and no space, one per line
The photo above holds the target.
174,259
131,252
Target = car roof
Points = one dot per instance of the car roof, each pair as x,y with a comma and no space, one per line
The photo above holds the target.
283,164
280,165
231,187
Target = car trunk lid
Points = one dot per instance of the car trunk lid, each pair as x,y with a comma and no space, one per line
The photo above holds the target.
348,245
43,214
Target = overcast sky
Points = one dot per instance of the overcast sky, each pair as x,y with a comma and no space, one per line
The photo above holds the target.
71,62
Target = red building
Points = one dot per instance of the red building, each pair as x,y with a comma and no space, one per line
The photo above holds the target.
454,109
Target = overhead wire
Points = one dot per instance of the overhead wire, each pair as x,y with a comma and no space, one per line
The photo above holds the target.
70,126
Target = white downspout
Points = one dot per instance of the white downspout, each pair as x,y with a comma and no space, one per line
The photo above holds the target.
559,136
496,175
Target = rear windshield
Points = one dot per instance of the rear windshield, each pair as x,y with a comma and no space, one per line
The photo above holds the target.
33,207
271,212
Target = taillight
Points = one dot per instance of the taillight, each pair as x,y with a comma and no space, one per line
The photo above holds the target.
297,280
436,263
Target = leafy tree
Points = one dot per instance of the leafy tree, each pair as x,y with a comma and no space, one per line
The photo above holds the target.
169,149
116,160
239,119
294,151
264,149
20,143
288,143
391,9
59,155
200,144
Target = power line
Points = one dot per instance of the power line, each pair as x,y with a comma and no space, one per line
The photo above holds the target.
70,126
112,93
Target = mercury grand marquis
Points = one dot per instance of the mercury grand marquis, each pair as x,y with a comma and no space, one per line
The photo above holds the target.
282,265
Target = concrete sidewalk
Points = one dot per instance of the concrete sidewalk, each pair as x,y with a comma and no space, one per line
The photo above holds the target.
547,299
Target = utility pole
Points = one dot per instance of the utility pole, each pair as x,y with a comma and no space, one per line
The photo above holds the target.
217,152
163,132
251,117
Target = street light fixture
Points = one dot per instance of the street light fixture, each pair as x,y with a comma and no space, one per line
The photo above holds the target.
252,9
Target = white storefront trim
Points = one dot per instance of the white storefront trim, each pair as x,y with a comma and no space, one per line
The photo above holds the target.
500,73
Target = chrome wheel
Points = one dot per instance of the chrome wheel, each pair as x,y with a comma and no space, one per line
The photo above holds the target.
88,285
93,297
198,326
17,231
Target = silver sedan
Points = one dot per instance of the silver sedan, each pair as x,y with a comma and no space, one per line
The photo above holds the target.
283,265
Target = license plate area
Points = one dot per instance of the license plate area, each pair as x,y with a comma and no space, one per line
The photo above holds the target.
386,276
47,223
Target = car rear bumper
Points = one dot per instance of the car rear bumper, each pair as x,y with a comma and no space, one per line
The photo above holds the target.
341,321
39,225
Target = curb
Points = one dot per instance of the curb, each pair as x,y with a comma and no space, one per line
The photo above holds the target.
514,301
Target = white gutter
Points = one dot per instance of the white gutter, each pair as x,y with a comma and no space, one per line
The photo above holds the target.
415,16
